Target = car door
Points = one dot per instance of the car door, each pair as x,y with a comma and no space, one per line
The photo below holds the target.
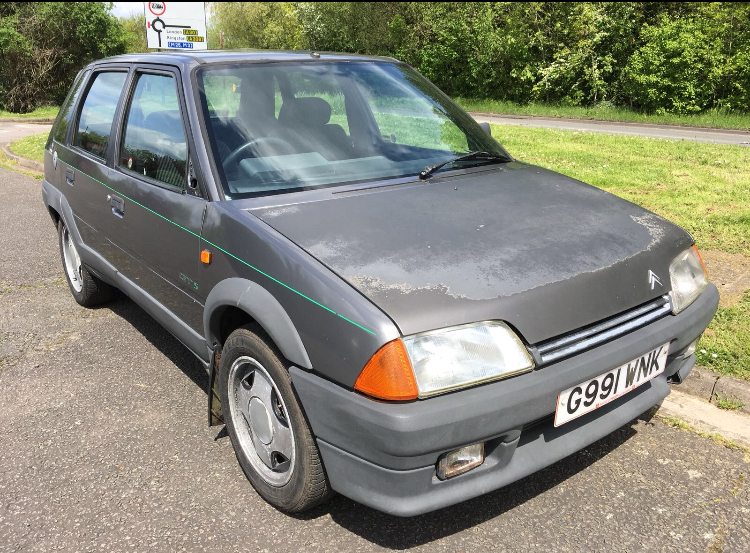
82,160
155,208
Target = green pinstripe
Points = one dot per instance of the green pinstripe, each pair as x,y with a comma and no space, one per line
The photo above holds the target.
277,281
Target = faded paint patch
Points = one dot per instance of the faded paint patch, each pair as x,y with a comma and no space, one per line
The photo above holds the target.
282,210
654,224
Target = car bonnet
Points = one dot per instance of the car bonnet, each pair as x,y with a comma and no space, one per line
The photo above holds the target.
541,251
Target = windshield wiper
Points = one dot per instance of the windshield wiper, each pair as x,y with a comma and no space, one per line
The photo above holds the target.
430,169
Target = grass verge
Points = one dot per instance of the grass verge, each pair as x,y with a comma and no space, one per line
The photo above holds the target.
725,346
712,118
44,112
30,147
704,188
7,163
674,422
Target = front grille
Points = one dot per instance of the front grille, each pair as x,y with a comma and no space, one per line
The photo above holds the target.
589,337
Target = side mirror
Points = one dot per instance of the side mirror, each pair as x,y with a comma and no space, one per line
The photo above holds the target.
486,128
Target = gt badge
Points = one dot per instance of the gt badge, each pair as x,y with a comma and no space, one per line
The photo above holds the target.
653,279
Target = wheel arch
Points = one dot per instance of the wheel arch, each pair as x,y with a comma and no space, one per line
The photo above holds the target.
234,296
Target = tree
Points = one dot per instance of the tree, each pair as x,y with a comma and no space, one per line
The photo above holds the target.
44,44
268,25
134,33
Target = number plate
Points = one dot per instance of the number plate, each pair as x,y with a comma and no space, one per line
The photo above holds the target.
608,386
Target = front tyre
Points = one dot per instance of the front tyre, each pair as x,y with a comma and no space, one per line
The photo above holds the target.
87,290
270,435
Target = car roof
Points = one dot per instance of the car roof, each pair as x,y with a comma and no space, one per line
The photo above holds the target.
205,57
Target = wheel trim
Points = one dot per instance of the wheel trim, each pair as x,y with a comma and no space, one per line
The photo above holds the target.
259,417
73,266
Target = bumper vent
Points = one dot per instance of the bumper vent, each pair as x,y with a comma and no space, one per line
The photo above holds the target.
589,337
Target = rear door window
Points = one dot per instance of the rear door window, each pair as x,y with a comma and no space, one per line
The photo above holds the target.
98,111
153,143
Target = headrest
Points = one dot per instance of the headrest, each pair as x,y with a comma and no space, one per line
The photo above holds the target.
256,100
308,111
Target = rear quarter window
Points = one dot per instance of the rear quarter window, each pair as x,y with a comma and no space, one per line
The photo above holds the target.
98,111
61,126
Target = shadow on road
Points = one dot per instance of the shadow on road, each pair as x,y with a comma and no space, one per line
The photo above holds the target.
161,339
380,528
402,533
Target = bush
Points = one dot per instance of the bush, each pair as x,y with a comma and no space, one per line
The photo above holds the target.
677,69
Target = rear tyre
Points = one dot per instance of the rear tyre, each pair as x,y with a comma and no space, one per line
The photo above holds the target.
85,287
269,432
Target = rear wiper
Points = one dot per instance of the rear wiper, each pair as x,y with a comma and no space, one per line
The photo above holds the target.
430,169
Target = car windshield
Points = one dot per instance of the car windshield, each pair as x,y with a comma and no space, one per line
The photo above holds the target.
286,127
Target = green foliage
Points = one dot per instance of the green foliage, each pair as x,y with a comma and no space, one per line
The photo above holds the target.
658,57
44,44
43,112
655,57
679,67
269,25
134,33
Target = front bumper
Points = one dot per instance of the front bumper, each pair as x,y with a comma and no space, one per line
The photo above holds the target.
384,454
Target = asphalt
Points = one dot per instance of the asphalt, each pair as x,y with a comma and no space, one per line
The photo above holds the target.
10,131
104,447
671,132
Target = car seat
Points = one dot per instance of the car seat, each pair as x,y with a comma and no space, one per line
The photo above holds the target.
304,123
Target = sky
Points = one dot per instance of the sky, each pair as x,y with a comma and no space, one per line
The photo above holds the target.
124,9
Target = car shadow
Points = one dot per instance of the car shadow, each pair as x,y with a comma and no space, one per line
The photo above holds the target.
161,339
380,528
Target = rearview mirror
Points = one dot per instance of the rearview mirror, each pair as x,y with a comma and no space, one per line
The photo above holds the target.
486,128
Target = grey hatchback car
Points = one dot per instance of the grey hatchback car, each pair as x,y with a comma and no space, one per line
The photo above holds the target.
387,304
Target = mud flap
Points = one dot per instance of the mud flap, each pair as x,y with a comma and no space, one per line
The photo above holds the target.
215,413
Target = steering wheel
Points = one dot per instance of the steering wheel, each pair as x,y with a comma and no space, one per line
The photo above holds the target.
286,147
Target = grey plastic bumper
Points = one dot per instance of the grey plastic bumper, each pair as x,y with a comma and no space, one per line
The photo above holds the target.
383,454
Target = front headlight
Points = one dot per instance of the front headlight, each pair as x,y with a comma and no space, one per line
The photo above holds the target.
689,279
466,355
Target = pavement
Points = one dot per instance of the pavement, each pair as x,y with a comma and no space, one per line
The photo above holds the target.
671,132
105,447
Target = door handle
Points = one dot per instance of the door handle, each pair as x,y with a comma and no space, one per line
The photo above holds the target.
70,176
117,204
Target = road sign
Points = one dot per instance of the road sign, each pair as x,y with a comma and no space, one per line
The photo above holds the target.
176,25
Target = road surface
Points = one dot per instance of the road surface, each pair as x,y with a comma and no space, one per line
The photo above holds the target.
10,131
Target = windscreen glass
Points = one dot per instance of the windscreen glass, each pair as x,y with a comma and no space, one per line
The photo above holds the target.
284,127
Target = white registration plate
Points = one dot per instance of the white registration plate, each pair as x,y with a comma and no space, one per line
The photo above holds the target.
608,386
